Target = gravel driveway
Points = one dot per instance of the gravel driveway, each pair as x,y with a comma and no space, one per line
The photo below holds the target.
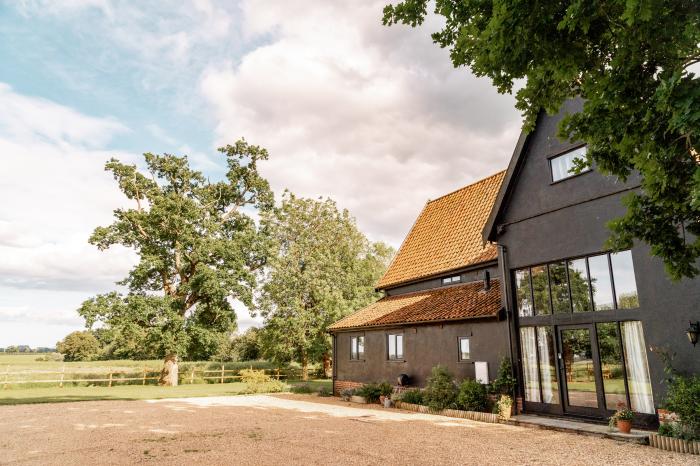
289,429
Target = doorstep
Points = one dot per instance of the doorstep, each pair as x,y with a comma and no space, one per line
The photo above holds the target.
578,427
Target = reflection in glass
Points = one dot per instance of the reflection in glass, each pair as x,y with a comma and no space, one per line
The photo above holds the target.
523,291
578,365
600,282
563,165
638,379
559,286
540,290
548,365
623,276
528,344
611,365
578,282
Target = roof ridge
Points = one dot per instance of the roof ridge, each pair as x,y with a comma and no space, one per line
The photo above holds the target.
465,187
439,288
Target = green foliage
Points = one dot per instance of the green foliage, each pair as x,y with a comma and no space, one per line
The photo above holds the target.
242,347
623,413
325,392
303,388
370,392
440,392
198,247
683,398
666,430
473,396
79,346
346,393
386,389
322,269
630,61
414,396
258,382
504,383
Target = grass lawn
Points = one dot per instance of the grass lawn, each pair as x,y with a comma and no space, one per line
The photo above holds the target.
129,392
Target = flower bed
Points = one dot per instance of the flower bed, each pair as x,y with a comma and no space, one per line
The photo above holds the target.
674,444
472,415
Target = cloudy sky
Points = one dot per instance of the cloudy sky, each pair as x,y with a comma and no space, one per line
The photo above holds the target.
373,117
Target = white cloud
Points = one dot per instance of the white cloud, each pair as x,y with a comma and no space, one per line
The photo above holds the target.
374,117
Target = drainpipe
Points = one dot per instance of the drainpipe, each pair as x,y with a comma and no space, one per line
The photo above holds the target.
505,280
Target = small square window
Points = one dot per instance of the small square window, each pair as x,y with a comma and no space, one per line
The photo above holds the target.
450,280
464,349
395,346
357,348
562,166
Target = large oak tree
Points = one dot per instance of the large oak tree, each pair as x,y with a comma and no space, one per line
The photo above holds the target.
630,60
198,249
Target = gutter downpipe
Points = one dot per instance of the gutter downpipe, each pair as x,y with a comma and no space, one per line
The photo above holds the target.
505,279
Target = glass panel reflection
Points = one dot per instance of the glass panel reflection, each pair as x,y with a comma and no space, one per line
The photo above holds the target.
578,364
600,282
638,379
528,344
524,293
625,284
540,290
578,282
611,365
548,365
560,288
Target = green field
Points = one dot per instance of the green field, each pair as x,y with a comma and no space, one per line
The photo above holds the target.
26,367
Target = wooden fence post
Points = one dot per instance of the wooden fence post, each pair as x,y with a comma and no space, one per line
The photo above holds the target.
278,373
144,376
110,377
192,376
7,376
63,373
222,373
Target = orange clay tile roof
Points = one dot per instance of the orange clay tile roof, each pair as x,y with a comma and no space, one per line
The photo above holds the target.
447,235
458,302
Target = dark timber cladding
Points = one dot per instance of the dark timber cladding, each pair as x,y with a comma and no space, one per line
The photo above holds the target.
585,321
443,302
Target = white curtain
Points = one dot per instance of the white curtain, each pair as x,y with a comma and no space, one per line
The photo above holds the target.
548,390
638,378
529,351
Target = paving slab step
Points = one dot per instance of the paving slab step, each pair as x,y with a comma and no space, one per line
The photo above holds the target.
579,427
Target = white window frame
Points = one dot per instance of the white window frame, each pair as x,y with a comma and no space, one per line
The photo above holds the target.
395,338
459,348
578,152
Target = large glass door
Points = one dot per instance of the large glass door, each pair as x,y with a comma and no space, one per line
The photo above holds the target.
579,363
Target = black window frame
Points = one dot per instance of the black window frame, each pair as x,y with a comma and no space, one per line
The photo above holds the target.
562,154
592,305
396,356
355,354
459,349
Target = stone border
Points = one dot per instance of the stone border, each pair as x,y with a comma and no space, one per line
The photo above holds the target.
472,415
674,444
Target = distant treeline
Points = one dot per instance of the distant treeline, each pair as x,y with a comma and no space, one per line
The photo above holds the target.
26,349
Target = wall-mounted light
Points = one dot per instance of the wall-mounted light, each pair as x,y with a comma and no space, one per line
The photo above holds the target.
693,332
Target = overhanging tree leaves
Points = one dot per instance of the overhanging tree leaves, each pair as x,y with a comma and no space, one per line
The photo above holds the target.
630,61
323,268
198,248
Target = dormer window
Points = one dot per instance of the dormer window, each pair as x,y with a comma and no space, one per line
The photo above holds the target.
452,280
562,166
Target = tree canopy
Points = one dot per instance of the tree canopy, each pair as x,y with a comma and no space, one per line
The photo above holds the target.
198,246
630,60
79,346
322,269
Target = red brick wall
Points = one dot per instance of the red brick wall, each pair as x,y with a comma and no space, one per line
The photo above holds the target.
340,385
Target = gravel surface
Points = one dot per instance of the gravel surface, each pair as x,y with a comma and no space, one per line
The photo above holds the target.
287,429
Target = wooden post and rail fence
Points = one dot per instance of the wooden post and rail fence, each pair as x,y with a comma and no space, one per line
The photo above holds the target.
220,375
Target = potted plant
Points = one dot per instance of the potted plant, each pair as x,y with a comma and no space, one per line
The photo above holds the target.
385,391
505,406
347,393
622,419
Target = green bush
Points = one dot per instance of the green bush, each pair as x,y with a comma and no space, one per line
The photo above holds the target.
259,382
441,392
370,392
666,430
414,396
303,388
325,392
386,389
473,396
683,398
79,346
504,383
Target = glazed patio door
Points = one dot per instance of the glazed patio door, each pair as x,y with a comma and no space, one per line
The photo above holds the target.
580,371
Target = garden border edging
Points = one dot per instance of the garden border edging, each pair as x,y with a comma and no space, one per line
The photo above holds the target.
458,413
674,444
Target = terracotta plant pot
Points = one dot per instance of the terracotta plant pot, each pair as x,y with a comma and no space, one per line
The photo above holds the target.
381,399
624,426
